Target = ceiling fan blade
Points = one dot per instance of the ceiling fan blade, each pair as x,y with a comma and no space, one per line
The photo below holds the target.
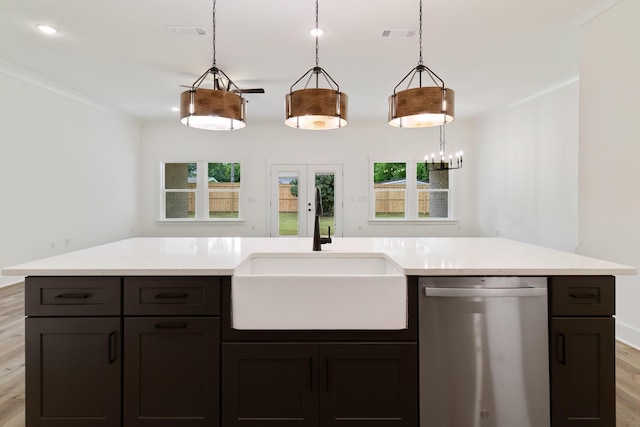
256,90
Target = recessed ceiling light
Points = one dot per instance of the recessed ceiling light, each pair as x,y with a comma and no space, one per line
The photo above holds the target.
47,29
316,32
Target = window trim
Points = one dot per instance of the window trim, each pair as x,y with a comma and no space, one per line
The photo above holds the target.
201,192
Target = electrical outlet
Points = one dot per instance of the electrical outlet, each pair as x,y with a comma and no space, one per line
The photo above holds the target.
67,242
53,244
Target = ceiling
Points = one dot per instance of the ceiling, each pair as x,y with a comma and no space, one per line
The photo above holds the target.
121,53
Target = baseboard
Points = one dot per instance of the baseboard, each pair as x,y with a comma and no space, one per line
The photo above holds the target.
9,280
627,334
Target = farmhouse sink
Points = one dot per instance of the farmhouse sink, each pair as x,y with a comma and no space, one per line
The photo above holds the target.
318,291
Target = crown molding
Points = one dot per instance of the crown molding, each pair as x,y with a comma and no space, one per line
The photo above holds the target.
33,79
590,10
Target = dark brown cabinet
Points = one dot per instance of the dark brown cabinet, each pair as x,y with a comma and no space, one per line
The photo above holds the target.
171,373
582,351
319,384
172,351
73,363
269,384
146,351
73,375
151,359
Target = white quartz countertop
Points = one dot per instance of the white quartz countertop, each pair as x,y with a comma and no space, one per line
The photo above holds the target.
173,256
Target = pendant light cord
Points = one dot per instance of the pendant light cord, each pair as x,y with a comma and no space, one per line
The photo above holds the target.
213,62
317,36
420,34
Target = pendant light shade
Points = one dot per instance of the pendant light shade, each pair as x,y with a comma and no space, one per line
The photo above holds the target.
220,108
212,109
316,108
421,106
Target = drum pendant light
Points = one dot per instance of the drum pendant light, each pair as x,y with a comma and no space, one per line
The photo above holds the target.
220,108
316,108
421,106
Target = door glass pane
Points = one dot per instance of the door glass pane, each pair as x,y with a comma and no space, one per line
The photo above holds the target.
288,205
224,187
326,182
390,188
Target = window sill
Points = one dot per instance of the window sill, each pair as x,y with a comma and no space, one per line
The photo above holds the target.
202,221
425,221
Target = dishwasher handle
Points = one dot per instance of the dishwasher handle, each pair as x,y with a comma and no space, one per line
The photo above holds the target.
484,292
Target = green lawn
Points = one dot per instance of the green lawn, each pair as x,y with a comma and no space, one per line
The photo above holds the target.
289,224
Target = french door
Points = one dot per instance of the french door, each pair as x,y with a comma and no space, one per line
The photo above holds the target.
292,190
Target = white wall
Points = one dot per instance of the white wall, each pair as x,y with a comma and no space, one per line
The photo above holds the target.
526,178
68,171
609,152
260,144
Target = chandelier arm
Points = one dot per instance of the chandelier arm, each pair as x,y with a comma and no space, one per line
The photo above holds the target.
413,70
419,69
432,75
200,79
306,85
231,83
330,80
300,79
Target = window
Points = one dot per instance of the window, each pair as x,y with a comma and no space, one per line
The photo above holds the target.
432,189
200,191
224,190
407,191
390,189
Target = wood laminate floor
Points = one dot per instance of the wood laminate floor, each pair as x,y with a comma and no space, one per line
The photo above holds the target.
12,366
12,356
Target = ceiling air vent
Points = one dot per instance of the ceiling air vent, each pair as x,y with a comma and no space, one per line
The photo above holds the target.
399,33
188,31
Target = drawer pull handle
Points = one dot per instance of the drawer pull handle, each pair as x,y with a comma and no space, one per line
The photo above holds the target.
73,296
583,295
328,372
561,349
172,295
113,347
170,325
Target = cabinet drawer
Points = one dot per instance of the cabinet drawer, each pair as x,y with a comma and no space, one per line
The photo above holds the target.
582,296
72,296
169,296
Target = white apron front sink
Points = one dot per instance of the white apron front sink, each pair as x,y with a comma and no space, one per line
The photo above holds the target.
318,291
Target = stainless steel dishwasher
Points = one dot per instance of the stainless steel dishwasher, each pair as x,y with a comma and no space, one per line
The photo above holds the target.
483,346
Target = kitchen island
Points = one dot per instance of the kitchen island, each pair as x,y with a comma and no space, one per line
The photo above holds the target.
222,255
139,332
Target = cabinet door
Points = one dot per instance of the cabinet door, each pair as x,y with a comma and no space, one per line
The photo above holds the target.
369,385
583,372
269,385
172,372
73,371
